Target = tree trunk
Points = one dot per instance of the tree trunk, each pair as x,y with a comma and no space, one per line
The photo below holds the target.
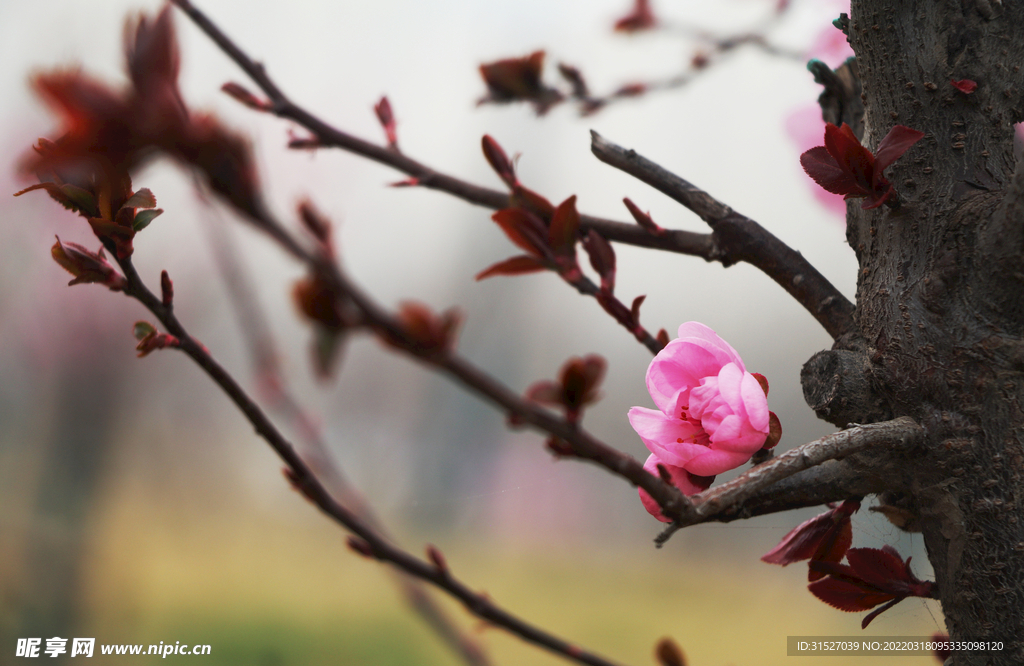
940,296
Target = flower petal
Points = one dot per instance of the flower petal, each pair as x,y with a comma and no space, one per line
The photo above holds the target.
670,438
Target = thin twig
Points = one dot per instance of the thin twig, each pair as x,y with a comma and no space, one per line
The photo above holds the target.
255,331
682,242
899,432
372,543
736,237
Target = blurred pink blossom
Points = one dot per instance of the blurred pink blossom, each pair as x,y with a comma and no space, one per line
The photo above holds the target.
804,125
712,414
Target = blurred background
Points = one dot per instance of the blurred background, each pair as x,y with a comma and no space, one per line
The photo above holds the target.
136,504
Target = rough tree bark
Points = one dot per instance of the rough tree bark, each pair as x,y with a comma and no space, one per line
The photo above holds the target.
940,304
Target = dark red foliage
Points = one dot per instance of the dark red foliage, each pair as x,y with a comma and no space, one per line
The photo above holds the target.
844,166
548,246
825,537
86,266
428,333
106,132
519,79
639,18
873,577
576,387
320,304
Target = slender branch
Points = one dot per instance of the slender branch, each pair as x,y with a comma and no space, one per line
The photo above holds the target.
897,433
682,242
256,333
370,542
737,238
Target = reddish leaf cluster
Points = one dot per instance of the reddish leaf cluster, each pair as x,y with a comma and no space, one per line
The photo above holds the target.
577,386
150,339
548,234
547,247
826,537
319,303
871,576
103,197
519,80
426,332
107,132
639,18
87,266
844,166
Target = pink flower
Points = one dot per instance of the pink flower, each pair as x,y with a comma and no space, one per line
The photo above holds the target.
712,414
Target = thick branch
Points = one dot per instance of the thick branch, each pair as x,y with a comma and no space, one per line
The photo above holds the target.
735,238
897,433
373,544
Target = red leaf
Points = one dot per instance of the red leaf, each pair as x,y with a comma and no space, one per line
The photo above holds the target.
425,331
524,229
966,86
519,265
826,172
514,79
763,381
804,541
565,225
86,266
152,55
852,157
847,595
895,143
532,201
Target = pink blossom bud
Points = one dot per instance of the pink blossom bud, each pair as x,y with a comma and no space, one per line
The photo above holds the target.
712,414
